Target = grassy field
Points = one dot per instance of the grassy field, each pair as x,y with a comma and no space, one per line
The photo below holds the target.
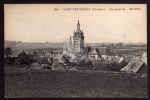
20,83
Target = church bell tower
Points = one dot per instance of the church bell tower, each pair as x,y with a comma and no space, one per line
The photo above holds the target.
78,40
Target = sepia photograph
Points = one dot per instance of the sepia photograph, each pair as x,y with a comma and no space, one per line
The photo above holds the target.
75,51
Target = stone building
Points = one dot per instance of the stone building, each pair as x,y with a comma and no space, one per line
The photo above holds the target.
74,47
78,40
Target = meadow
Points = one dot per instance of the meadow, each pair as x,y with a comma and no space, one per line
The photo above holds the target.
33,83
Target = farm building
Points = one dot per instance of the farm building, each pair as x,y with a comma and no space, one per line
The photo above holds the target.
138,67
105,53
144,57
99,53
129,58
117,59
94,54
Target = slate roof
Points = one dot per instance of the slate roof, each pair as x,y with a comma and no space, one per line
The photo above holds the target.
133,66
131,58
128,58
94,51
101,51
116,59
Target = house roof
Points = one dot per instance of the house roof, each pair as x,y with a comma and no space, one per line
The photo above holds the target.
116,59
94,51
128,58
131,58
133,66
101,51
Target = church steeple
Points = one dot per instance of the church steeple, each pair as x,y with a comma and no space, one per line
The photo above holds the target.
78,25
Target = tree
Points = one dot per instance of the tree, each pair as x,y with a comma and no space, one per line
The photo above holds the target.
29,59
120,44
8,52
23,57
34,53
44,60
112,45
103,45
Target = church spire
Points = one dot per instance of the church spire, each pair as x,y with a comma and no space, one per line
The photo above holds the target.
78,25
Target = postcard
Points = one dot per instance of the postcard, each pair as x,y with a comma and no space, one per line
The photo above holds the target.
75,50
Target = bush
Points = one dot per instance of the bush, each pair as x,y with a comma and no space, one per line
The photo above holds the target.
8,52
44,60
38,60
117,67
105,67
9,61
24,59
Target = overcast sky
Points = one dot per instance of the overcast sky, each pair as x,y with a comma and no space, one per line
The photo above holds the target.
39,23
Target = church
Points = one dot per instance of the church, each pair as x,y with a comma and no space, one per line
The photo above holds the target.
78,40
76,49
75,46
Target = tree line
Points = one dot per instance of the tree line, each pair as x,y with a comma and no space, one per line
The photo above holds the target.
23,58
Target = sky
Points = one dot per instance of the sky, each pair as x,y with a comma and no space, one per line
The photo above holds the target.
40,22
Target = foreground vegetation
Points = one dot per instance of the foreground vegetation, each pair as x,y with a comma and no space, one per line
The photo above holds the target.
86,81
20,83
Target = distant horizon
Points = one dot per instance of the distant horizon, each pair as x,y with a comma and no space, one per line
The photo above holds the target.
86,42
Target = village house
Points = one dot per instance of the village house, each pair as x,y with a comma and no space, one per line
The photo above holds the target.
144,57
44,53
138,67
94,54
99,53
129,58
105,53
117,59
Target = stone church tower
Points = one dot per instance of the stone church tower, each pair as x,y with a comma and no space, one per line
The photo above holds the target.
78,40
74,47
